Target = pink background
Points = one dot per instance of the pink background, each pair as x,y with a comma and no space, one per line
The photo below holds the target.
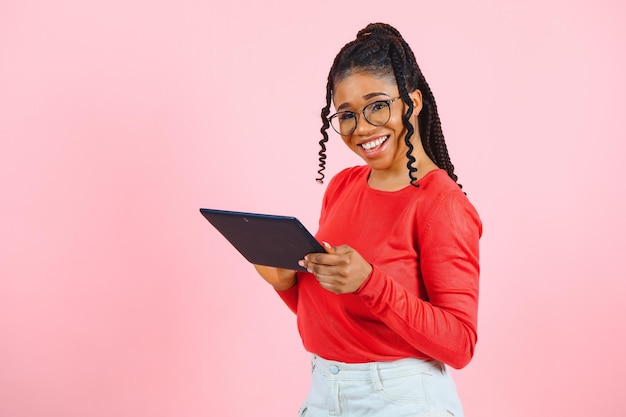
118,119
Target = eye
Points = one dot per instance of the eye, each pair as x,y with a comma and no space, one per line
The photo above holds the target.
345,116
378,105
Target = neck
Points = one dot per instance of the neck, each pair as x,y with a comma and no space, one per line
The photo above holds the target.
398,179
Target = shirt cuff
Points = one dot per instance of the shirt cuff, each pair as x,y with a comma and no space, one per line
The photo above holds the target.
372,286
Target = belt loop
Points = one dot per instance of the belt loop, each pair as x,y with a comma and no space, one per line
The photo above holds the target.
375,377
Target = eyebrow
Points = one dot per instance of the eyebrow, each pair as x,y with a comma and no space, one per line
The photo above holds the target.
366,97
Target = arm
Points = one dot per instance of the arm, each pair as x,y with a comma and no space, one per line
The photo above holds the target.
444,325
284,281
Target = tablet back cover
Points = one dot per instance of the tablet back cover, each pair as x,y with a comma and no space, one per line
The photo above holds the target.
279,241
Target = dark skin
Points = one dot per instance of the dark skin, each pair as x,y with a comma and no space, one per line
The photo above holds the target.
342,269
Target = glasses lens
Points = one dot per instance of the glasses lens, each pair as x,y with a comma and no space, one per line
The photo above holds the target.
344,122
377,113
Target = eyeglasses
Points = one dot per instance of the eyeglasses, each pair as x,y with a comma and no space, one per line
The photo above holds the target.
376,114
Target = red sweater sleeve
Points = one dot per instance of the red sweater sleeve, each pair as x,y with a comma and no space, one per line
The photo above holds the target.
290,297
444,325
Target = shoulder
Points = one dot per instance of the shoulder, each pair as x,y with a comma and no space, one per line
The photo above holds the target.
437,186
444,201
345,184
438,181
350,174
349,177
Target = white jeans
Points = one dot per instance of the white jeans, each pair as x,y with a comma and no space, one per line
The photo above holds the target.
403,388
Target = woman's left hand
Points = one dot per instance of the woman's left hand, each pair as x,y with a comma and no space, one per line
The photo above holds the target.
342,270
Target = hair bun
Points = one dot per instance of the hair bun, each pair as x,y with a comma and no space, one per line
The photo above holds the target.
378,29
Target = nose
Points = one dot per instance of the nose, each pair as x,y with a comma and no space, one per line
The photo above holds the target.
363,126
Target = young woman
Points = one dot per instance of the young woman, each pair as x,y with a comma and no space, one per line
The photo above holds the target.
395,298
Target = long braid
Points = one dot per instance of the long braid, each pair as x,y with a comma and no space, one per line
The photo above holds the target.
380,49
323,131
434,142
324,115
397,56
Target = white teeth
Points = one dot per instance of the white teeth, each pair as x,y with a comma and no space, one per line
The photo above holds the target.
370,145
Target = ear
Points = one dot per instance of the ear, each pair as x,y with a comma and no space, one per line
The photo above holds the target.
416,96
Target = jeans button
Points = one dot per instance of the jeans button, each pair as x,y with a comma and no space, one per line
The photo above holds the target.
334,370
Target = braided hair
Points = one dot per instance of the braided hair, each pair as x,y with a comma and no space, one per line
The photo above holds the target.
379,49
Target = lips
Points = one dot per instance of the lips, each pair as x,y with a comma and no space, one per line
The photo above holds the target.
373,145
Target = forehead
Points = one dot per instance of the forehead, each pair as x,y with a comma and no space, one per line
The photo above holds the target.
353,88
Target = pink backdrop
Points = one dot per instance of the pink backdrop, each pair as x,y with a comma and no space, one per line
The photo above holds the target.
118,119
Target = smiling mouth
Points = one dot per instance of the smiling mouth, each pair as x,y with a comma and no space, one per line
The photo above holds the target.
371,146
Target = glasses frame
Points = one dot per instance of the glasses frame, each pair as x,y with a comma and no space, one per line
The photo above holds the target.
387,102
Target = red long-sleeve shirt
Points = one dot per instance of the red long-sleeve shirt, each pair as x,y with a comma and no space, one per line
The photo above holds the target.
421,298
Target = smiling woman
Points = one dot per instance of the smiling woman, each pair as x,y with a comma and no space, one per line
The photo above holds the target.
395,297
379,61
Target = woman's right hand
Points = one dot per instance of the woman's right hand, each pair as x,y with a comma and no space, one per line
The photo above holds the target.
280,279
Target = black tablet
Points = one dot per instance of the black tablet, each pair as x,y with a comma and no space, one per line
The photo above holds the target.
264,239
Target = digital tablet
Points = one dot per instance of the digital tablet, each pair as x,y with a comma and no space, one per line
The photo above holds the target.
265,239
